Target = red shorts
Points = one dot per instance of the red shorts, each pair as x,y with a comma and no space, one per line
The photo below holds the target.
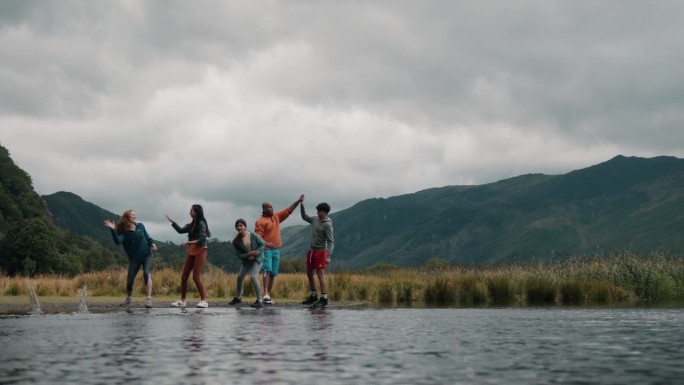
316,259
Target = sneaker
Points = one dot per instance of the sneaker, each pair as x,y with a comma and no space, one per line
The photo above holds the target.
257,305
128,301
179,303
268,301
202,304
235,301
148,302
323,302
310,300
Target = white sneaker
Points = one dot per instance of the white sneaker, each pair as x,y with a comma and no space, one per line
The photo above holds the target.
179,303
202,304
268,301
128,301
148,302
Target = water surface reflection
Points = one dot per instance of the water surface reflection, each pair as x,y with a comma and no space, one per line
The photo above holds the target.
336,346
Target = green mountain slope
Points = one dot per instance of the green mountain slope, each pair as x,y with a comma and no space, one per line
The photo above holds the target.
73,214
624,203
78,216
30,242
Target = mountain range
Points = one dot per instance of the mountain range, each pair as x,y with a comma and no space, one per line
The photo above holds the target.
625,203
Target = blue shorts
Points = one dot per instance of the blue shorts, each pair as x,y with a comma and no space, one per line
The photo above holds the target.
271,261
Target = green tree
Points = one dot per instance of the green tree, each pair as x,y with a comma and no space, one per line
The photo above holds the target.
30,249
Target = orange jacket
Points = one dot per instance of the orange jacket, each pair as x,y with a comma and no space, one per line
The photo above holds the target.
268,228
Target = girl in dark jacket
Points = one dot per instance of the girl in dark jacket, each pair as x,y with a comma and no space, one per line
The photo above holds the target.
198,232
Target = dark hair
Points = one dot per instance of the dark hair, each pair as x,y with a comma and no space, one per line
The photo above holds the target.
323,206
237,241
199,217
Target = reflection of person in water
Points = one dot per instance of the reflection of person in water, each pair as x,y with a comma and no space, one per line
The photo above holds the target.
193,343
319,329
194,340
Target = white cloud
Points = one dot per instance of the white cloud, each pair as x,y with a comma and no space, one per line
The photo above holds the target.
138,105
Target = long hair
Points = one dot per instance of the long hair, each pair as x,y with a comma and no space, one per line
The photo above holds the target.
199,217
125,222
237,241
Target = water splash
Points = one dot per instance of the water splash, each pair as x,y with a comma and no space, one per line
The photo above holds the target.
35,303
82,305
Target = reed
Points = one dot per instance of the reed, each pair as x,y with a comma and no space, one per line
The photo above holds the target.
540,290
572,292
615,278
440,291
500,288
471,289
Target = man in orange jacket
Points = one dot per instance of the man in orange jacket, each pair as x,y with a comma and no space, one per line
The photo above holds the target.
268,228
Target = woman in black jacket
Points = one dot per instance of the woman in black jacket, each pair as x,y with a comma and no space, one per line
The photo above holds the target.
198,232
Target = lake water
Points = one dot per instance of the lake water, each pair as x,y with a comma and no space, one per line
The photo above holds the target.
346,346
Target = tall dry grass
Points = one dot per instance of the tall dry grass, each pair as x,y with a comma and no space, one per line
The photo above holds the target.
601,280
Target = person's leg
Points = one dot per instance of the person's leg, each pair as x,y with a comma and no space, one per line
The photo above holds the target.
200,259
187,268
312,283
254,273
310,267
310,276
133,267
267,282
267,271
323,301
322,281
320,261
241,281
275,269
147,274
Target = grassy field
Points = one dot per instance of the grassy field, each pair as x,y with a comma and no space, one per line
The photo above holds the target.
614,280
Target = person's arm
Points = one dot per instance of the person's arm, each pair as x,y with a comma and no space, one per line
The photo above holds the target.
261,245
304,216
179,230
118,239
284,214
329,240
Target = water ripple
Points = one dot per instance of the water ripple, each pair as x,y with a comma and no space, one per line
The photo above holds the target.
337,346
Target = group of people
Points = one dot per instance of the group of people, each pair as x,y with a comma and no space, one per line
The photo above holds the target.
258,250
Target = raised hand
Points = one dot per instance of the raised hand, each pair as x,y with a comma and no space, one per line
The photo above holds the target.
109,224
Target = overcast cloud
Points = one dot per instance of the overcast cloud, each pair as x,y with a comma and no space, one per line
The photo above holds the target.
156,105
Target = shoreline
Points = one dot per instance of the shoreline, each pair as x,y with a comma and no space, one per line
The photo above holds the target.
60,305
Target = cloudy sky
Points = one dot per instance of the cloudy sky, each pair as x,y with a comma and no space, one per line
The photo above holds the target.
156,105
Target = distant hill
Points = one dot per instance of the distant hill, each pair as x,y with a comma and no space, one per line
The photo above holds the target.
74,214
30,242
624,203
78,216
